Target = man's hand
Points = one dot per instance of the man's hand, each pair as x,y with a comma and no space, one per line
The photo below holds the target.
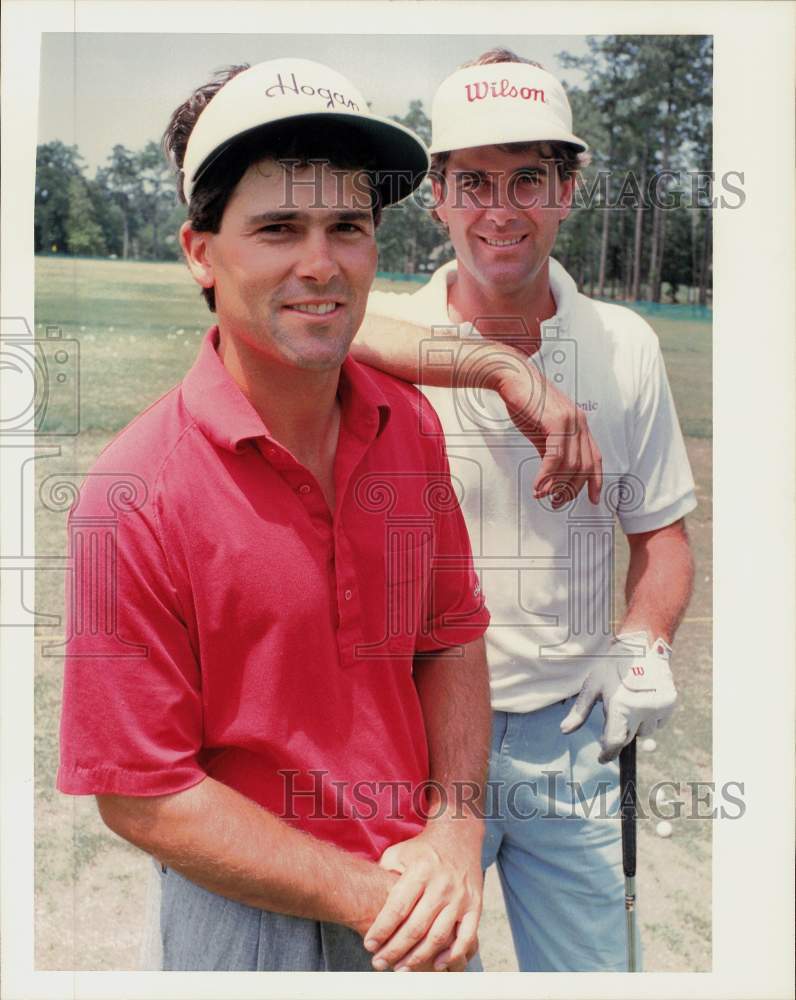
558,429
430,919
638,695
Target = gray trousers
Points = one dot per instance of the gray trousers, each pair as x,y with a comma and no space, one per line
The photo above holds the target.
202,931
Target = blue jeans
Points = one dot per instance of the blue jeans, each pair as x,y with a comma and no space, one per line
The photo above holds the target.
553,830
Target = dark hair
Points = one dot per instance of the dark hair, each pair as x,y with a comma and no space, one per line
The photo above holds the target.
567,158
295,143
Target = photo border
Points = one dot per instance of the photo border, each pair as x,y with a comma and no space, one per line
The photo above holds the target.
753,480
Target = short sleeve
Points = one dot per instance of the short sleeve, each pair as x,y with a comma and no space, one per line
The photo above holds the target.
659,486
456,613
131,721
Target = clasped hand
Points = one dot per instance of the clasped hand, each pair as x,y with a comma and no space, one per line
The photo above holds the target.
429,921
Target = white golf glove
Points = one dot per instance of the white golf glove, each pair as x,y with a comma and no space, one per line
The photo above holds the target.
636,689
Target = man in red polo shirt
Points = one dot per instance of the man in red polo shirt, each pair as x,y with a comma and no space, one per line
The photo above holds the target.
274,625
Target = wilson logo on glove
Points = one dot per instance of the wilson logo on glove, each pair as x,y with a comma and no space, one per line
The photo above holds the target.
637,697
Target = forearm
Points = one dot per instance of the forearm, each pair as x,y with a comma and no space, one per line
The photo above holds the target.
553,423
226,843
659,582
454,695
407,351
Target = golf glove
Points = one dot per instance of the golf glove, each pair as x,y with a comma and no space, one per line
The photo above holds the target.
637,692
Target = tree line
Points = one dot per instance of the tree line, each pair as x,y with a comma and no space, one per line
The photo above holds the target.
640,229
646,112
129,209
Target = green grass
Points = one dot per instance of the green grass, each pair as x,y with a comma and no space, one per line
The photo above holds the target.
138,326
687,347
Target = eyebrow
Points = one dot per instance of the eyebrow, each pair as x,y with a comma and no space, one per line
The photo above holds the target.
536,168
470,172
347,215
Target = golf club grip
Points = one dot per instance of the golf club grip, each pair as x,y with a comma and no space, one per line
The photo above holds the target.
627,798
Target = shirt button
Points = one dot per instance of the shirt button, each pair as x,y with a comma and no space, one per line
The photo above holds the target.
348,595
304,488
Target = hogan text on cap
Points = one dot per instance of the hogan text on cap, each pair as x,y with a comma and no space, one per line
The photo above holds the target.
282,90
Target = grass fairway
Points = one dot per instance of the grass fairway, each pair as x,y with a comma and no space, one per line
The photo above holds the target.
138,327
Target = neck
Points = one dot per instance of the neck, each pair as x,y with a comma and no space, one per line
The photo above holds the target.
298,406
532,302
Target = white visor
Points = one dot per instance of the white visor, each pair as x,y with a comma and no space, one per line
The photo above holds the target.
500,103
282,90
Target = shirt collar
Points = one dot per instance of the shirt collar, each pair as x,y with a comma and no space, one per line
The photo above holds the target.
228,419
360,396
562,286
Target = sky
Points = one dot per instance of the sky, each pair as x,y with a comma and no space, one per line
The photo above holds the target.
101,89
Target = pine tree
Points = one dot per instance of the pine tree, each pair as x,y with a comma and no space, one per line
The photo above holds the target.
83,234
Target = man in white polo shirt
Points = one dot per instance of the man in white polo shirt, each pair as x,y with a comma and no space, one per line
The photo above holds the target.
504,161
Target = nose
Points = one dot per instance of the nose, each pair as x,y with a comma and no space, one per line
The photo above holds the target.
500,216
501,208
317,261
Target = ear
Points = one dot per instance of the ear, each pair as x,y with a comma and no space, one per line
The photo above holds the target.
195,246
566,191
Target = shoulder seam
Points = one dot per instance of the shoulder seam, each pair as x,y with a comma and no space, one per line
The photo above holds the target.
123,432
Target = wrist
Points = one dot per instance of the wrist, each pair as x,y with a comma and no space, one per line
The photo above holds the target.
634,635
458,830
368,898
659,642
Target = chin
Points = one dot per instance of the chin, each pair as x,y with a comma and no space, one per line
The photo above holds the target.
319,364
320,361
505,278
517,272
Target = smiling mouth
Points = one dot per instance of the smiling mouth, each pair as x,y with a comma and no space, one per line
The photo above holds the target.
314,308
513,242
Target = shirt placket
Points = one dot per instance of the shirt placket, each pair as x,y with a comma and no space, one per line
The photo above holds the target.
331,527
299,478
306,490
352,448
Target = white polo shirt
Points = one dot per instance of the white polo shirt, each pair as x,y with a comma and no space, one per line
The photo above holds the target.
548,576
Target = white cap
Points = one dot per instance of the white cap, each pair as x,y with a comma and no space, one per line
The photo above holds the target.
285,89
498,103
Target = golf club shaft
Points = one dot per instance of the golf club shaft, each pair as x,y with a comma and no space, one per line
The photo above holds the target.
627,792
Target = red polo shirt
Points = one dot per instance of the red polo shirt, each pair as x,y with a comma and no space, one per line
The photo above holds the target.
223,621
